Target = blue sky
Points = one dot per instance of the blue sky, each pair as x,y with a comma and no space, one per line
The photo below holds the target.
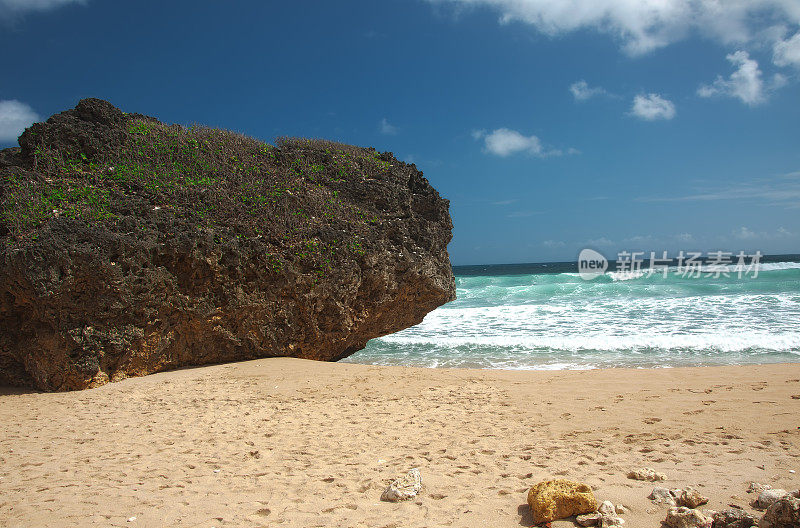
551,126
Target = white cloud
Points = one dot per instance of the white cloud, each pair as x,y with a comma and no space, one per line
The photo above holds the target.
581,90
600,242
15,117
553,244
504,142
745,233
641,26
387,128
745,83
787,52
652,106
20,6
639,239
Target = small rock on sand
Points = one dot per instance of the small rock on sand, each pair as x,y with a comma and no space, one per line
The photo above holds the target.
690,498
783,513
767,497
607,508
608,515
755,487
662,495
404,488
559,499
604,517
607,521
647,473
734,518
682,517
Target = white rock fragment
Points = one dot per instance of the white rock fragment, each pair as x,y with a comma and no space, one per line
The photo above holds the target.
589,519
131,519
607,508
621,509
404,488
611,520
648,474
604,517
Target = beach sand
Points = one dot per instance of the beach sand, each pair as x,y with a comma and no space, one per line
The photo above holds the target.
287,442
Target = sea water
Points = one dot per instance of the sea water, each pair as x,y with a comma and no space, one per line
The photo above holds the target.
545,316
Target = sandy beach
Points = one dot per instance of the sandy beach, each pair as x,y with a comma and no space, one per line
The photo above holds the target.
288,442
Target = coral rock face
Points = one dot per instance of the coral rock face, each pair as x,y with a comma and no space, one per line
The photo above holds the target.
128,247
558,499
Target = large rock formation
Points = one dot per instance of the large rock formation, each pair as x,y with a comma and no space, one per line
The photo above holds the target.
130,247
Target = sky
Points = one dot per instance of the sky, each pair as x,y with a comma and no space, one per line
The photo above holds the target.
617,125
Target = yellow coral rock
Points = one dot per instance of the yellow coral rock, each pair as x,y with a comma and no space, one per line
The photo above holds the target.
559,499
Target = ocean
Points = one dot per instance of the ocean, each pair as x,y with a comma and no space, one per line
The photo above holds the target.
545,316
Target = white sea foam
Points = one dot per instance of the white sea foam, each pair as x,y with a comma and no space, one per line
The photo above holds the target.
775,266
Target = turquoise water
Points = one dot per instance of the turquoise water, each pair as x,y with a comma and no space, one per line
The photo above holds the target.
547,317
